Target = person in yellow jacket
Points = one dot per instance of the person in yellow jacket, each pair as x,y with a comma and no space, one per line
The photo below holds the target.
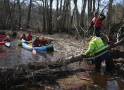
98,52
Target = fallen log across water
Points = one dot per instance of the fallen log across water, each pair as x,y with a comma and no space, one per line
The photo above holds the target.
77,58
43,72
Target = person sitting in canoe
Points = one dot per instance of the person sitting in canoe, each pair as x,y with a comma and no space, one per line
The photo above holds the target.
29,37
7,39
36,42
43,41
23,36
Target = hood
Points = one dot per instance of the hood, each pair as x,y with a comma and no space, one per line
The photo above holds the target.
97,39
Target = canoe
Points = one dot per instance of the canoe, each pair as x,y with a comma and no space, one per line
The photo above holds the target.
20,42
28,46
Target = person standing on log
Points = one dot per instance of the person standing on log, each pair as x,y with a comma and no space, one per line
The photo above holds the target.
98,53
96,23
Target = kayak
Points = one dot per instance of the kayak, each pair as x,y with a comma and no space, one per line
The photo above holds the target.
7,44
28,46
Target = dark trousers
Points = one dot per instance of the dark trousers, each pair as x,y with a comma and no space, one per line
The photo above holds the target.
97,32
98,61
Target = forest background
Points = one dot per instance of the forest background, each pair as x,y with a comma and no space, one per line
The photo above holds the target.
59,15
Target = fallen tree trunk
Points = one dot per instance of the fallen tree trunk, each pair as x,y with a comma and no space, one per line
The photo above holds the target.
77,58
39,71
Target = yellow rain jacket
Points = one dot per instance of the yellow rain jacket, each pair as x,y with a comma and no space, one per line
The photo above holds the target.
96,45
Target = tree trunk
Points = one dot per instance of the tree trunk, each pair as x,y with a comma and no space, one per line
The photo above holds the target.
29,14
57,15
61,62
109,16
19,7
83,13
50,17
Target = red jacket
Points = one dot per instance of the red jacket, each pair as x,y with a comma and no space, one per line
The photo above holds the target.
97,22
7,40
36,43
23,37
45,42
29,37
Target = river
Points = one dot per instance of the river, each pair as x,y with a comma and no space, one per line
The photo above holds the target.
17,55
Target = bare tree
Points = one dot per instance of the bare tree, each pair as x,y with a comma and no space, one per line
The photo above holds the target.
109,18
50,18
83,13
29,14
19,9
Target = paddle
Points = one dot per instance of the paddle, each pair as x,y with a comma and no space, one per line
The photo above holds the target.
7,44
34,51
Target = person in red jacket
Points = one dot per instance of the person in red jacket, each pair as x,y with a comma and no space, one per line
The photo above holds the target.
23,36
7,39
96,23
36,42
29,37
43,41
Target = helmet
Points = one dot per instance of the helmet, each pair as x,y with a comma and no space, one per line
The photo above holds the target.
37,37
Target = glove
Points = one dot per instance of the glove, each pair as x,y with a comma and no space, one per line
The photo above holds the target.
84,56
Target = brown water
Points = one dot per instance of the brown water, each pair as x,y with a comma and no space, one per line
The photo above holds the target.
18,55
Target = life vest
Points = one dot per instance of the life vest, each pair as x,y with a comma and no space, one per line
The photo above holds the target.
97,22
7,40
23,37
96,45
36,43
29,37
44,42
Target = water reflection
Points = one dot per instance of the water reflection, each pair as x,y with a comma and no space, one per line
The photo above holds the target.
106,82
17,55
112,85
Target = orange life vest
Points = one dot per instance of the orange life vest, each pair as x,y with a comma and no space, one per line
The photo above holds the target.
97,22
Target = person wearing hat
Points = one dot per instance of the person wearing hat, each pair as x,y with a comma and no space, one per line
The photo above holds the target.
98,53
96,23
